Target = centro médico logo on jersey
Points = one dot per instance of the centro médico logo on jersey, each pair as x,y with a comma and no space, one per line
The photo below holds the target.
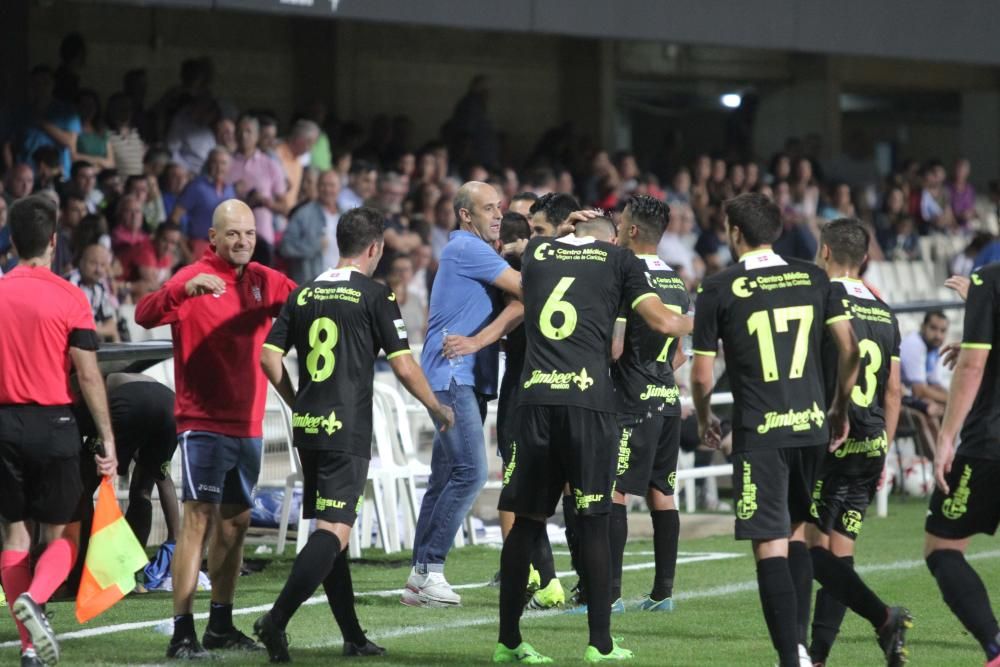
543,251
557,380
797,420
312,425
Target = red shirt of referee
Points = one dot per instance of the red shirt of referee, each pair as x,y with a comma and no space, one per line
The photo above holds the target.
49,326
220,310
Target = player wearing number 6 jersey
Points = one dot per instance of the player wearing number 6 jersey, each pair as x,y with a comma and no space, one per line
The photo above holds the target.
566,427
337,324
850,475
770,313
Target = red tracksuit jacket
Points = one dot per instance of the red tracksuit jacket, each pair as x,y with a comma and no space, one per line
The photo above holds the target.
217,343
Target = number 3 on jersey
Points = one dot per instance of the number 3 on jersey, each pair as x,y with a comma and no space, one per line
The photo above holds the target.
555,304
869,350
759,324
323,337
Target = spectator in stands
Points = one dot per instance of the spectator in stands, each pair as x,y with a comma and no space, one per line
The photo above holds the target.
964,262
542,181
901,242
752,179
919,357
71,212
47,122
360,185
988,255
127,232
300,141
310,242
310,186
83,179
521,203
48,168
962,194
470,128
92,278
797,237
261,182
805,190
935,206
680,187
713,244
406,165
135,85
199,199
400,231
268,142
320,156
225,133
444,225
412,306
190,137
92,229
124,139
152,210
426,170
72,60
150,264
20,182
676,246
172,183
781,168
841,204
92,143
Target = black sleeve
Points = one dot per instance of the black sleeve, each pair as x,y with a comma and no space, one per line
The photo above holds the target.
635,286
980,307
836,308
706,321
84,339
390,330
279,338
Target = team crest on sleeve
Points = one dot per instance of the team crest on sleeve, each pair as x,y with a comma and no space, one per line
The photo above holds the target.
400,329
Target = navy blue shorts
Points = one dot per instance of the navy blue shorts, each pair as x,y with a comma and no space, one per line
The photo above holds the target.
219,469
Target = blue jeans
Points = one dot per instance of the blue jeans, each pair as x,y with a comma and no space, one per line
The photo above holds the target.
458,473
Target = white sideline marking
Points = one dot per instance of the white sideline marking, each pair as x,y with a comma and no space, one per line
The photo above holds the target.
259,609
715,591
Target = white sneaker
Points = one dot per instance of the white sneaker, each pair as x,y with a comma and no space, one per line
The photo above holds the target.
430,590
804,659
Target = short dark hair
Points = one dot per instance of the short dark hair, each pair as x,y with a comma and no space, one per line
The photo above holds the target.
68,195
361,167
555,206
357,229
47,155
525,196
78,166
931,314
32,223
134,178
757,217
166,228
847,239
650,215
514,227
540,177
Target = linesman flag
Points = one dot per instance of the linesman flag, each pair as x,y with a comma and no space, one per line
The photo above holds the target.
113,557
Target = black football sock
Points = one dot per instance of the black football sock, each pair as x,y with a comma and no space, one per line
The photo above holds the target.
311,567
220,617
666,530
618,535
541,558
515,557
184,627
801,567
778,599
139,516
573,536
340,595
964,593
595,553
827,618
842,582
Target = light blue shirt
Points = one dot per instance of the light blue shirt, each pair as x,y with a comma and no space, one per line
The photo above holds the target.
463,301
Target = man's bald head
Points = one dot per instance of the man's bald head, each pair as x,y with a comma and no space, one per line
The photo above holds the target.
477,207
233,232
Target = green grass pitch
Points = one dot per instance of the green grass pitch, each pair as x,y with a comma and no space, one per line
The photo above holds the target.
717,620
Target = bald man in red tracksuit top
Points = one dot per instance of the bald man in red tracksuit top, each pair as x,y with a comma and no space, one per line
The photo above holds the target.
219,310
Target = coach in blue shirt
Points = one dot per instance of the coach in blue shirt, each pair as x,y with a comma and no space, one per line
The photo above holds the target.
465,298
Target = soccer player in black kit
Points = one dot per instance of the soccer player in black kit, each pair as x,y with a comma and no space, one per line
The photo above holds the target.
573,288
967,498
770,313
649,408
849,476
337,323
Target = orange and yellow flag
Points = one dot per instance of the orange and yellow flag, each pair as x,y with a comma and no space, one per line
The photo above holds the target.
113,557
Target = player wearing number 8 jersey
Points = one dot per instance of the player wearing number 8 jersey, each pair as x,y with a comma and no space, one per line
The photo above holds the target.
770,314
850,475
337,324
967,498
566,429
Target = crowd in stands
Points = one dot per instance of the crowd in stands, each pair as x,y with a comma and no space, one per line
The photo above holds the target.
136,183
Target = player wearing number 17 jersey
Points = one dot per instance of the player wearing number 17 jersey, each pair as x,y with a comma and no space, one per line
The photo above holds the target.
967,498
770,314
566,430
337,323
849,476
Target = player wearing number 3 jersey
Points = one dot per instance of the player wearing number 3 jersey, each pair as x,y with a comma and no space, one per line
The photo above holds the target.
566,426
850,475
770,314
337,324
